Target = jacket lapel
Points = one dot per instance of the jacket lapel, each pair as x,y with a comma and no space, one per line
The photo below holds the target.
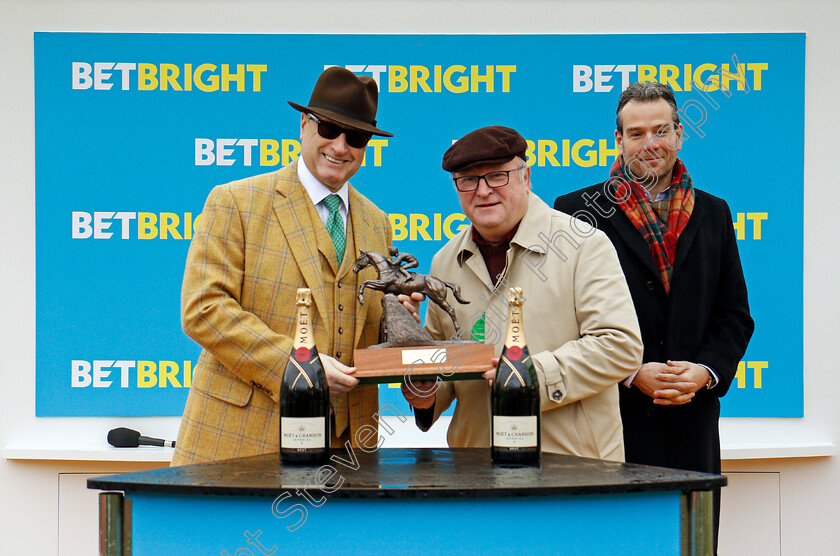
468,255
688,234
291,207
634,241
363,238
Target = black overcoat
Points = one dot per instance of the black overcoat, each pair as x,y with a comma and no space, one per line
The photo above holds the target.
705,319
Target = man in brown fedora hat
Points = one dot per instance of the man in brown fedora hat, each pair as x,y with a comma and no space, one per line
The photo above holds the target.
262,238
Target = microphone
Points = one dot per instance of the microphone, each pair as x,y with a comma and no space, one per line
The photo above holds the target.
128,438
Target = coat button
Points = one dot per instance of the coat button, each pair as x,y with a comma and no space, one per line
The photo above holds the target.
650,285
340,307
557,395
338,355
340,330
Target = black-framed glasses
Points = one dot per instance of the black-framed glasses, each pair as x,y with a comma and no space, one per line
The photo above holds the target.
499,178
328,130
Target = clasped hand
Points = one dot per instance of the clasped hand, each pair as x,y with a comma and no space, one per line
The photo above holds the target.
671,383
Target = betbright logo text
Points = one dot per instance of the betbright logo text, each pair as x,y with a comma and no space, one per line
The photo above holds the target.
708,77
264,152
102,373
438,79
142,76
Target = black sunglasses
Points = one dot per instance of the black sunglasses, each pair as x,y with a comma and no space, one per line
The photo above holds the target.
329,130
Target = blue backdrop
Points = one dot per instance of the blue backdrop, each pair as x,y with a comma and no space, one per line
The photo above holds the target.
133,130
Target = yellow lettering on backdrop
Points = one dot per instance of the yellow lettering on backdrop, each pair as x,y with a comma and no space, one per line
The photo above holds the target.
147,77
146,374
147,225
169,373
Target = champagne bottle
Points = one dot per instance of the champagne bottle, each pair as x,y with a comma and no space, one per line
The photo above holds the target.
304,395
515,396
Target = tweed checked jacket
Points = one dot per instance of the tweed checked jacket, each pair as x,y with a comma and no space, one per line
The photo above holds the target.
259,240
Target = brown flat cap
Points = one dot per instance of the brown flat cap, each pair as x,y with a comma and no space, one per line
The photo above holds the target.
488,145
344,97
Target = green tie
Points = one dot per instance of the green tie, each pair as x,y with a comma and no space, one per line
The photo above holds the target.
335,226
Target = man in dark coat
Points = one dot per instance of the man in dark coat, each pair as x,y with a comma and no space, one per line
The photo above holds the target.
678,251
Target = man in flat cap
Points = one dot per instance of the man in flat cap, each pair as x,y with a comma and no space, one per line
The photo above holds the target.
579,319
262,238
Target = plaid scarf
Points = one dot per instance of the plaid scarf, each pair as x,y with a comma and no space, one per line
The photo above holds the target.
661,236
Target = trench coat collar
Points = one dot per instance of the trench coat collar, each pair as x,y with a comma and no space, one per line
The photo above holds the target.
527,236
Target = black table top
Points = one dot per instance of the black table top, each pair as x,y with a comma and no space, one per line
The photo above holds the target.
409,473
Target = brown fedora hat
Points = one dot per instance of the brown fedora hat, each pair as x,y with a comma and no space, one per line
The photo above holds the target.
346,98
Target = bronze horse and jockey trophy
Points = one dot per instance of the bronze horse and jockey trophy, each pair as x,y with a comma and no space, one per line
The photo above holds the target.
408,353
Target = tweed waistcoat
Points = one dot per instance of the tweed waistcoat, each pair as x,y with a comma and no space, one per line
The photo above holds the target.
340,300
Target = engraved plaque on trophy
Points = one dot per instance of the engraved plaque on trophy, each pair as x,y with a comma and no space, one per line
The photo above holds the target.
409,352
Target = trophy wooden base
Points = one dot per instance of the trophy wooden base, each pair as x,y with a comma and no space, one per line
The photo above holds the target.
447,361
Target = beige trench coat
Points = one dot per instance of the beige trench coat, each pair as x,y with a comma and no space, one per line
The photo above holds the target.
580,326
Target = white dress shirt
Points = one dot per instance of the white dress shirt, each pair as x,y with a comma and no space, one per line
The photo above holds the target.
318,192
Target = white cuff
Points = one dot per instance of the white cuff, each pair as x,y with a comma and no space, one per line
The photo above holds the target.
628,382
712,374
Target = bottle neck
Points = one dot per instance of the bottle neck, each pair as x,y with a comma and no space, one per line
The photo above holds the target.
304,333
515,330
